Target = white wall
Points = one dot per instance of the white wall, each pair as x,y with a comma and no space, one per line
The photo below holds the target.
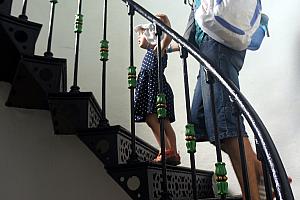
36,164
270,77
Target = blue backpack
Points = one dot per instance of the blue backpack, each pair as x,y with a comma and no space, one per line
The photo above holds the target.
230,22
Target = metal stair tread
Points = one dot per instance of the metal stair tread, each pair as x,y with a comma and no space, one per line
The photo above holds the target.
108,129
139,165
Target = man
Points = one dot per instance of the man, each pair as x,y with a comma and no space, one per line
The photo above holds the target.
229,62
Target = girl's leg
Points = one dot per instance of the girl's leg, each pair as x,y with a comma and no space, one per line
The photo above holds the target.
170,135
153,122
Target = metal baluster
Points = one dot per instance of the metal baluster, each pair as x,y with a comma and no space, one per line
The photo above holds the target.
77,30
133,158
48,53
220,170
242,154
267,181
104,57
161,114
190,130
23,15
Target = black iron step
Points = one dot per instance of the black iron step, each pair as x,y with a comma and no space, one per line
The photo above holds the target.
17,37
35,78
143,181
112,145
73,111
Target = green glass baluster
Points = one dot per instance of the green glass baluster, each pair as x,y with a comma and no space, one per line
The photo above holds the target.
78,23
190,138
221,178
161,105
131,77
104,50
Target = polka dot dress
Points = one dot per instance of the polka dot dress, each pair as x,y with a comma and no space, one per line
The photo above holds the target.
147,89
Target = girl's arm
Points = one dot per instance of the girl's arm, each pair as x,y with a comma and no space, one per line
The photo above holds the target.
166,39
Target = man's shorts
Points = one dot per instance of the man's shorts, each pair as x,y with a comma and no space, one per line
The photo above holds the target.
228,62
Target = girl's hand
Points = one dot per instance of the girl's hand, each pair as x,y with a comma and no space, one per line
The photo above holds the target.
155,49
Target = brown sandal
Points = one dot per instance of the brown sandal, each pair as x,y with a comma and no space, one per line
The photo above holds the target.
172,158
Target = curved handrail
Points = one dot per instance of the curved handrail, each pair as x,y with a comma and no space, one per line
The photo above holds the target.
282,187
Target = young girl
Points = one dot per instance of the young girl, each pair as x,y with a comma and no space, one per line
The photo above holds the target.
147,90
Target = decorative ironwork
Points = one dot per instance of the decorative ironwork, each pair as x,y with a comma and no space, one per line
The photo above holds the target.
161,105
274,163
131,77
104,50
190,138
78,23
221,178
143,181
113,145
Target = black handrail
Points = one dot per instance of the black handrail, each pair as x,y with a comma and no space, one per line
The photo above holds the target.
280,181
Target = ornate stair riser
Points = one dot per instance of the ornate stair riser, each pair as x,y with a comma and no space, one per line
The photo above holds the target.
75,111
112,145
17,37
35,78
145,182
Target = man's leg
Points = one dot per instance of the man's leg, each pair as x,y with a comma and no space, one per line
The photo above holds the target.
231,147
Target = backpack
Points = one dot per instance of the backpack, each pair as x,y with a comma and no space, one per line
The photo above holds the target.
230,22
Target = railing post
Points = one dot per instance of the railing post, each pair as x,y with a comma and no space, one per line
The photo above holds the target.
104,57
189,128
220,170
161,114
133,158
24,8
242,152
266,177
48,53
77,29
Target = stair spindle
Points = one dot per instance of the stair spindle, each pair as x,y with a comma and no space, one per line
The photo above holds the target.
242,154
48,53
161,114
78,31
220,170
104,57
190,130
24,8
133,158
266,171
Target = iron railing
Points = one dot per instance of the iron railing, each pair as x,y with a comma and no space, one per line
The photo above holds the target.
269,152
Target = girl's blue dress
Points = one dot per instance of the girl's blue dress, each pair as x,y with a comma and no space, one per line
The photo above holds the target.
147,89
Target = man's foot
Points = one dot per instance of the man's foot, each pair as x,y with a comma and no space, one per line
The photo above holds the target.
172,158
